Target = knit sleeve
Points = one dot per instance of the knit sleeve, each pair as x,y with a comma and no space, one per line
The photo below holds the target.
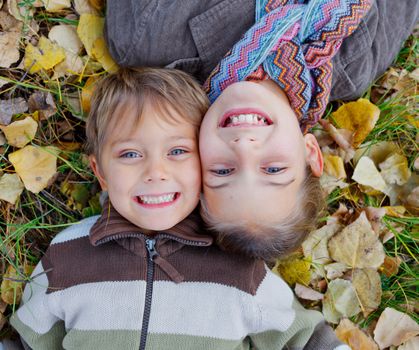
285,324
37,326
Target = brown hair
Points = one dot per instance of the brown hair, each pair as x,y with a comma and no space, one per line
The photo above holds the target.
165,89
270,242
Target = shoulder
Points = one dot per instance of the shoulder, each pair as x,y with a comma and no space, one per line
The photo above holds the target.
76,230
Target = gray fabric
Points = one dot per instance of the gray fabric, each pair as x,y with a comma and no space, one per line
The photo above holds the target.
194,35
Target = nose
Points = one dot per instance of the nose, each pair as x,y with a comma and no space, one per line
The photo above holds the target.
155,172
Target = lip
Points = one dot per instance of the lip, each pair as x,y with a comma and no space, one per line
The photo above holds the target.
237,111
157,205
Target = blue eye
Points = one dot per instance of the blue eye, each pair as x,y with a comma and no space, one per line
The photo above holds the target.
223,172
177,152
273,170
130,155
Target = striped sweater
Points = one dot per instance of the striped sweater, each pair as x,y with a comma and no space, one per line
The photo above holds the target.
103,284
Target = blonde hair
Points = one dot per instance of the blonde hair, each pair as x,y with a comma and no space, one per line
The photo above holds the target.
164,89
271,241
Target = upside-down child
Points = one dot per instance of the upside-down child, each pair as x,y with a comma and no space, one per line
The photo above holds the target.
144,274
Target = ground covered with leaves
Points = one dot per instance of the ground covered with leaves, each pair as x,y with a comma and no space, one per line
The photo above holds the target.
359,268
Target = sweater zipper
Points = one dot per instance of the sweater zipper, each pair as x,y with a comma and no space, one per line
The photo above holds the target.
151,254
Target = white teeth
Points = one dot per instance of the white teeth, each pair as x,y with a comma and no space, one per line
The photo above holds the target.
235,120
242,118
247,119
158,199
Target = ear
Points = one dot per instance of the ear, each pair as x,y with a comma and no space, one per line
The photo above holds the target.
94,164
314,156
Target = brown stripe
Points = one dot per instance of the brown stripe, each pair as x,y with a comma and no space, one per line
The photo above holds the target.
77,261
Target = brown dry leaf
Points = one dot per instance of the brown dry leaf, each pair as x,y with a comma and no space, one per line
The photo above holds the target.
101,54
89,29
366,173
391,265
43,102
8,108
367,284
340,300
11,290
359,117
293,269
86,93
35,165
357,245
394,328
411,344
415,74
2,139
56,5
97,4
10,188
342,137
335,270
83,6
333,166
374,216
329,183
3,321
412,200
44,56
307,293
378,152
21,132
350,334
315,245
9,43
395,170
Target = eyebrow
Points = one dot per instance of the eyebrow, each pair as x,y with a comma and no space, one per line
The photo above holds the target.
225,184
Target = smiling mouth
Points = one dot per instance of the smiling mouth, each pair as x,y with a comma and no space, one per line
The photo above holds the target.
240,118
157,201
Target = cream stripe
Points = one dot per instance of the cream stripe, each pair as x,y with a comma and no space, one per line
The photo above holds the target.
342,347
77,230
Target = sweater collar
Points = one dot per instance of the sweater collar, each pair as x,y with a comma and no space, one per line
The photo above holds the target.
112,226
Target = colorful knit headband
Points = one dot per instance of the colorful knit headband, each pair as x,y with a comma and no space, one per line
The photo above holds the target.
293,42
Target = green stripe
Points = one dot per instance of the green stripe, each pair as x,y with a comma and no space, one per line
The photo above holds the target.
50,340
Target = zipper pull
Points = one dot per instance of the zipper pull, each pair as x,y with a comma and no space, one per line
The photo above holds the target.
150,245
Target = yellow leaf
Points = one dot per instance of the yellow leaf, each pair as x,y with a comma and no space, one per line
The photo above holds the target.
357,245
333,166
56,5
12,284
35,166
10,188
21,132
44,56
293,269
396,211
395,170
365,173
359,117
87,92
367,285
390,266
394,328
350,334
97,4
89,29
101,54
83,6
378,152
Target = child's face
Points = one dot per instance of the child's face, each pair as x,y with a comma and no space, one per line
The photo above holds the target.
151,169
253,169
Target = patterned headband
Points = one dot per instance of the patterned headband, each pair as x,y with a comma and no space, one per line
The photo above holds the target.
293,42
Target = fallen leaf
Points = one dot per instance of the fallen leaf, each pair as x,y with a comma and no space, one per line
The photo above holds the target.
367,284
395,170
44,56
293,269
395,211
21,13
333,166
12,284
342,215
10,188
87,92
350,334
335,270
340,300
329,183
3,321
342,137
413,199
378,152
357,245
2,139
72,65
89,29
315,245
394,328
43,102
97,4
66,37
307,293
9,43
411,344
20,132
365,173
35,166
101,54
83,6
391,265
56,5
374,216
415,74
8,108
359,117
